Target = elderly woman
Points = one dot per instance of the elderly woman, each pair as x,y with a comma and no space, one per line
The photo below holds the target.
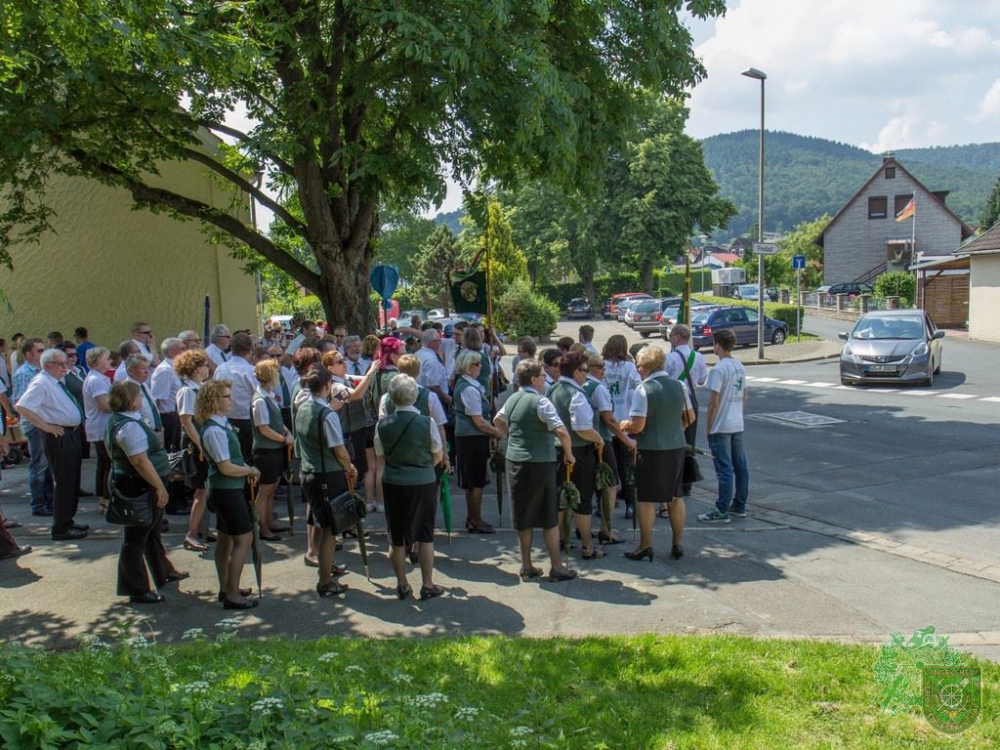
529,419
408,445
621,379
270,441
97,410
227,474
191,367
576,411
473,432
326,468
390,350
659,413
139,467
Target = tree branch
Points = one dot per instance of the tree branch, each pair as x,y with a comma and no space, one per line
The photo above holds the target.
239,135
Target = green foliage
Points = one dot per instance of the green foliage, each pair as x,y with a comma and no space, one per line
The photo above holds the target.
896,284
778,269
400,239
991,212
433,265
522,311
807,177
605,286
507,263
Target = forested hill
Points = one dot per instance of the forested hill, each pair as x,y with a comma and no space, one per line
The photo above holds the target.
807,177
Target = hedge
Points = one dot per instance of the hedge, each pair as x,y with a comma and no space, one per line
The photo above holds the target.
664,284
785,313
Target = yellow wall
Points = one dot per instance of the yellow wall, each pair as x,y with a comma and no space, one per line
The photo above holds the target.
984,297
106,266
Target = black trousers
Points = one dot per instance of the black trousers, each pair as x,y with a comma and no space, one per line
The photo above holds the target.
171,431
103,469
623,457
141,546
64,461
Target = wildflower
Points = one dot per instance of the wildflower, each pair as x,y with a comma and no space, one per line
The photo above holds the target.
266,658
520,731
266,705
518,744
230,623
381,739
431,700
329,656
353,668
137,641
169,727
257,745
199,687
225,637
402,679
193,634
467,713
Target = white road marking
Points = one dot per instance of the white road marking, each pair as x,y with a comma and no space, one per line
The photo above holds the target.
904,391
792,382
766,380
819,385
994,399
957,395
919,393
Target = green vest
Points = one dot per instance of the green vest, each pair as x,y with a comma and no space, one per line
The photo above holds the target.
216,479
378,388
122,466
352,415
589,388
560,394
273,421
664,406
528,437
485,372
311,437
409,457
422,404
463,424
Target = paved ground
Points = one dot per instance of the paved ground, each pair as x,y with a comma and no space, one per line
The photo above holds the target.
824,554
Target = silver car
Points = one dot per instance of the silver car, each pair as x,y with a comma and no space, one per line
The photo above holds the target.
901,346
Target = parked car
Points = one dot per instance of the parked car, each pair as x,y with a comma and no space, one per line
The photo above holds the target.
646,315
436,314
615,310
823,289
408,314
746,291
629,306
741,320
579,307
902,346
472,317
852,288
606,309
669,317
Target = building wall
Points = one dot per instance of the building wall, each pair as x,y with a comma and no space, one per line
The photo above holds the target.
984,297
106,266
855,244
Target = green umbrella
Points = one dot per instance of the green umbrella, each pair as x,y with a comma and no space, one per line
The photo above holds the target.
497,465
605,480
569,501
288,490
446,501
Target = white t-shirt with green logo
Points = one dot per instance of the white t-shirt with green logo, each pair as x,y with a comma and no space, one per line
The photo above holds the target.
729,380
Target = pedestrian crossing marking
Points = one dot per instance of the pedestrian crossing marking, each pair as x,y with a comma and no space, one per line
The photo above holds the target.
878,390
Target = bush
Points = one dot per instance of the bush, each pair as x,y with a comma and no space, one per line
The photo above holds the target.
522,311
776,310
896,284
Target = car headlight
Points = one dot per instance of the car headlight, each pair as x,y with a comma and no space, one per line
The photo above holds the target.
848,351
920,350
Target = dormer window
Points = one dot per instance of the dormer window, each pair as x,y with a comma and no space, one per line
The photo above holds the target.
890,173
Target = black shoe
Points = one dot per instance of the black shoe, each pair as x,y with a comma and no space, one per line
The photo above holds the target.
243,592
178,575
677,552
639,554
149,597
178,511
84,493
248,604
80,527
430,592
68,535
43,513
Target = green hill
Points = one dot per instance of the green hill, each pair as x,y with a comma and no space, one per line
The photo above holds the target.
807,177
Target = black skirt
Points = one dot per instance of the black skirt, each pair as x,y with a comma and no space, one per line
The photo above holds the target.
313,492
473,461
584,475
271,462
536,501
231,511
409,512
659,475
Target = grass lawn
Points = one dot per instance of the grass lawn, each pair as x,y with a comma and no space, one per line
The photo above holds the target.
219,691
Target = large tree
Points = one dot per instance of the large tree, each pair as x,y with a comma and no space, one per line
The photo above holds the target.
356,106
991,212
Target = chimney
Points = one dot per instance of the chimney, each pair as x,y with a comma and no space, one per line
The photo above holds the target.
888,156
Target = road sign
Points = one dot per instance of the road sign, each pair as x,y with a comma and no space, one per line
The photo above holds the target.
765,248
798,261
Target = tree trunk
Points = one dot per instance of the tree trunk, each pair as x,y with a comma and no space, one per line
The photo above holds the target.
344,292
647,275
588,288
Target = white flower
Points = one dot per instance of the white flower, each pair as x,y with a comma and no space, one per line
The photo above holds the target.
193,634
229,623
137,641
266,658
266,705
518,743
402,679
225,637
381,739
353,668
520,731
431,700
200,687
329,656
467,713
257,745
169,727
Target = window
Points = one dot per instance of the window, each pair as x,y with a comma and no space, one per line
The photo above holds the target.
877,207
890,173
899,203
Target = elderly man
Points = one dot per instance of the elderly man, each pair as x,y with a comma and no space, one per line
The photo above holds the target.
339,334
49,407
164,392
239,370
432,373
39,473
191,339
357,365
137,370
125,350
143,337
218,350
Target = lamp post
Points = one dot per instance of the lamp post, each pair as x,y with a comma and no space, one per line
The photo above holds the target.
760,76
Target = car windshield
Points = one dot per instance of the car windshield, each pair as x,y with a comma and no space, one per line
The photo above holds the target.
748,290
671,312
700,319
873,327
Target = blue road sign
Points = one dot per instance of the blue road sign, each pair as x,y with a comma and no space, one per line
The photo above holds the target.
384,280
798,262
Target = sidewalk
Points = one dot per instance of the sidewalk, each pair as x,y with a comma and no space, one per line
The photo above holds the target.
755,577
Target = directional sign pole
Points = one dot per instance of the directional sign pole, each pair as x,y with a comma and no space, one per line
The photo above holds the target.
798,304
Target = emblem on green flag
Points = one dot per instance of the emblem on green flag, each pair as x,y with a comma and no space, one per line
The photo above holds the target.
468,294
953,697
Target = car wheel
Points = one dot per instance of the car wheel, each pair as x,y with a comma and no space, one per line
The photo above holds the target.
644,334
778,337
929,380
845,381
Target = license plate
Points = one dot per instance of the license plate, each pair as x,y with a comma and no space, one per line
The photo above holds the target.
881,368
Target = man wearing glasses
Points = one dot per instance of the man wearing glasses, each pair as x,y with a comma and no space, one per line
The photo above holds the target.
191,339
48,406
143,336
218,350
39,475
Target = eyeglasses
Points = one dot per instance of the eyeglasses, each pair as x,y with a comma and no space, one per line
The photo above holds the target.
584,369
59,364
145,333
194,341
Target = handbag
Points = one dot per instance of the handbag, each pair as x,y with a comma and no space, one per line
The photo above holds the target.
183,465
339,513
692,471
124,510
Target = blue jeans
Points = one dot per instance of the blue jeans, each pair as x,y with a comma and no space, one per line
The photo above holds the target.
730,461
39,474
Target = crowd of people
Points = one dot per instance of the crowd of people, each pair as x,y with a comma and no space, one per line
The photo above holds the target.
392,415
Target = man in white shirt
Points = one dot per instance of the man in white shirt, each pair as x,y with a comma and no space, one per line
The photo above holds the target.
143,337
218,349
239,370
39,472
307,331
137,370
688,366
49,407
191,339
433,376
125,350
357,366
586,338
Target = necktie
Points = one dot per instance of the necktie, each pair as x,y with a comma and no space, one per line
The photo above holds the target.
157,424
357,368
70,397
286,397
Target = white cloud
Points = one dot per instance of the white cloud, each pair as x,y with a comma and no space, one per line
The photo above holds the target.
989,107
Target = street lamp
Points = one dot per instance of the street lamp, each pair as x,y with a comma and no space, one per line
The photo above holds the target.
760,76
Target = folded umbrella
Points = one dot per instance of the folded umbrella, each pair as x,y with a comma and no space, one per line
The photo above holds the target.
288,489
359,508
258,566
446,501
631,481
569,501
497,464
604,481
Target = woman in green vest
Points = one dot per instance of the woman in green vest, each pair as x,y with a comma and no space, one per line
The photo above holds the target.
270,438
389,351
578,414
191,367
473,432
408,445
227,475
529,419
658,414
138,466
326,467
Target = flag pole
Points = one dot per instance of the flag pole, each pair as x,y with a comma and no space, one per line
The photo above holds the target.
489,283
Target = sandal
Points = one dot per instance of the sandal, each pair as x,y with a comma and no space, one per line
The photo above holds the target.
592,553
663,513
195,546
330,589
528,573
404,591
339,570
605,538
430,592
243,592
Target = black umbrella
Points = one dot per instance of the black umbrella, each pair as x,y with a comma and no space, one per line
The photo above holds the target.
258,567
605,480
359,508
569,501
288,490
498,463
630,480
